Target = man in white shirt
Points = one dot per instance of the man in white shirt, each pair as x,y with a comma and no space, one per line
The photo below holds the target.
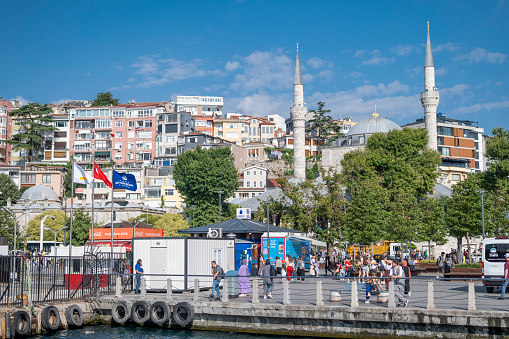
399,285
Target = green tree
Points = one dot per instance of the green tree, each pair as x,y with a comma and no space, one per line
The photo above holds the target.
104,99
7,224
81,223
171,224
34,226
325,127
8,189
463,211
152,219
199,174
35,122
432,222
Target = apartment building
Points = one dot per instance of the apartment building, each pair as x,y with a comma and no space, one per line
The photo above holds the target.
5,131
230,129
34,175
57,143
252,182
200,105
158,188
460,144
311,144
204,124
278,120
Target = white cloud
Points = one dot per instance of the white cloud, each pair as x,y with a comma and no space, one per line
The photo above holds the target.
319,63
231,66
360,52
356,75
88,74
488,106
377,59
156,71
131,80
22,100
441,71
458,89
260,104
482,55
405,50
60,101
326,74
271,69
447,47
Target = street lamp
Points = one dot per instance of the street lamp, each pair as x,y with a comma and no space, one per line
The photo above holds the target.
15,223
55,233
193,213
220,192
42,230
268,231
482,209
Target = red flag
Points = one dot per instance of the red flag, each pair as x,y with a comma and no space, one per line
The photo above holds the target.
98,174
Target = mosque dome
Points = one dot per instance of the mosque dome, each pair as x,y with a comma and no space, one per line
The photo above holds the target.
40,193
374,124
359,134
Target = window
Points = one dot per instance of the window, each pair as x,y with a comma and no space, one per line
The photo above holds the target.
191,140
170,139
440,140
139,124
61,124
83,124
118,156
131,123
144,134
27,178
271,130
456,177
170,150
147,156
118,145
46,178
102,123
118,123
261,184
148,123
118,114
496,252
232,125
443,150
168,191
152,192
254,183
248,184
171,128
247,172
100,185
263,129
118,134
171,117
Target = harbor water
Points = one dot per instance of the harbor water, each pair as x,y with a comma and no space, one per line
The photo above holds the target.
132,332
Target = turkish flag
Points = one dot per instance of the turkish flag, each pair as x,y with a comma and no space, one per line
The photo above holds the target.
98,174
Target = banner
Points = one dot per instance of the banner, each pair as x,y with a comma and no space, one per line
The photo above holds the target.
243,213
79,176
124,181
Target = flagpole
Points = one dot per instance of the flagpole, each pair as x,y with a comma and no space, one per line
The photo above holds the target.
112,185
93,184
70,230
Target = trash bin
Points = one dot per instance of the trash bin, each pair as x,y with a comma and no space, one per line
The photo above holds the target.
233,283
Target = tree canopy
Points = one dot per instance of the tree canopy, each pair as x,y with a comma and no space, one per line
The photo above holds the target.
199,174
104,99
8,189
324,126
34,121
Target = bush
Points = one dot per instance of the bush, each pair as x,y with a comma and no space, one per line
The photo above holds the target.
473,265
427,261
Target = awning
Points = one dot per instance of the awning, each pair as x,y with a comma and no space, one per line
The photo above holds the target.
313,242
102,153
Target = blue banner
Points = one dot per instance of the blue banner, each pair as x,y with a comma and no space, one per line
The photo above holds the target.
125,181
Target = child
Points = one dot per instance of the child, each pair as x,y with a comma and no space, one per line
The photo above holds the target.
283,273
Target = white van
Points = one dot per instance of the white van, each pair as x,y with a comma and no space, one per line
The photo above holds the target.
493,259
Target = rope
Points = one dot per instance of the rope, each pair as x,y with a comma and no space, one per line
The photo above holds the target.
29,283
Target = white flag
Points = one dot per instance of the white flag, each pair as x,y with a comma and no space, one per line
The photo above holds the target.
79,176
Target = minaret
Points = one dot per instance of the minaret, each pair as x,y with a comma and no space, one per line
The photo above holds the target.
298,113
430,97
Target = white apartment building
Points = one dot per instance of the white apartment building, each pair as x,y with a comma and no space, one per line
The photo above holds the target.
253,182
200,105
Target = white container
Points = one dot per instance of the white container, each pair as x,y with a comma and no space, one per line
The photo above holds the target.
182,259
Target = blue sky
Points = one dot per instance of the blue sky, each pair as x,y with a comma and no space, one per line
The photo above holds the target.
353,54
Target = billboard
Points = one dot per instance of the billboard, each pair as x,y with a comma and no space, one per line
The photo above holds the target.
124,233
243,213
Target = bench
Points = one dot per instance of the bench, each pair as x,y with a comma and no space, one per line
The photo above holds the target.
463,272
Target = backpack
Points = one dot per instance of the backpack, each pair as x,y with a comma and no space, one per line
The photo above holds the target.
440,261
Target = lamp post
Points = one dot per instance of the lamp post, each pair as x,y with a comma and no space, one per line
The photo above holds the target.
55,233
482,210
193,214
268,231
220,192
42,230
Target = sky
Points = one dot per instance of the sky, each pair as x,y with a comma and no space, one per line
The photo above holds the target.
354,54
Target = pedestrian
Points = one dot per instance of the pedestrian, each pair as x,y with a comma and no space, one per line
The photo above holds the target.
289,269
279,264
408,275
397,274
348,268
244,285
283,273
139,271
506,276
328,265
365,268
440,264
217,273
301,269
268,272
317,269
261,264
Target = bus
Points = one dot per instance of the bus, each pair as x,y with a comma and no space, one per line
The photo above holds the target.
34,245
493,252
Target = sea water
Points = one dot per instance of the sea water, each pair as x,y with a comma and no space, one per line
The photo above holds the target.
131,332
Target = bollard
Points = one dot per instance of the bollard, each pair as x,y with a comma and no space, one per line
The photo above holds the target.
256,297
286,293
431,297
118,287
196,289
471,297
355,297
169,288
319,293
224,296
143,291
392,302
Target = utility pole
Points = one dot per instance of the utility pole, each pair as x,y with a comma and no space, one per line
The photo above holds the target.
482,211
193,214
220,192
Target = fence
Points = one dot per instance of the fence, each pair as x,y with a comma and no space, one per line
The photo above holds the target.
47,278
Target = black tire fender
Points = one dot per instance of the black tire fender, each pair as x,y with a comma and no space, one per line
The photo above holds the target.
120,312
50,318
159,313
140,312
74,316
183,314
21,325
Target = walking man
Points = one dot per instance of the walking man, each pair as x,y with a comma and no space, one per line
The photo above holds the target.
217,272
139,271
328,265
399,286
440,263
506,276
